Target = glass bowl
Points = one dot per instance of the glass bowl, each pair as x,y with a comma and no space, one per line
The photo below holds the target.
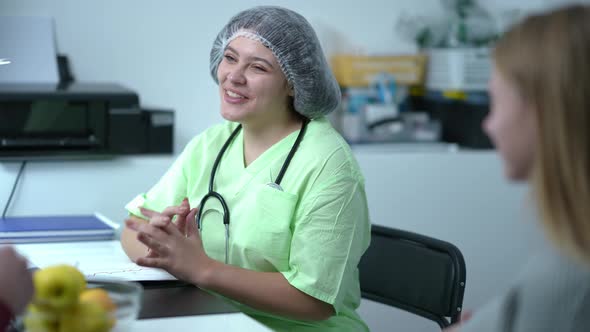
126,296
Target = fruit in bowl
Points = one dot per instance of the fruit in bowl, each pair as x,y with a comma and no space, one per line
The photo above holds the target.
58,287
65,301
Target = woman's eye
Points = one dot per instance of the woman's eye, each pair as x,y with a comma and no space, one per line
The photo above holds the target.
260,68
229,58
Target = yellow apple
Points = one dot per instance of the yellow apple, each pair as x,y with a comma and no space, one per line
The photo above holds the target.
39,320
99,296
58,287
85,317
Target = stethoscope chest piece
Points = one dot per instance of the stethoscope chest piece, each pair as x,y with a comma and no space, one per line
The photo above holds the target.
275,186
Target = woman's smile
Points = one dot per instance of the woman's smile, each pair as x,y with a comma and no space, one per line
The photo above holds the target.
234,97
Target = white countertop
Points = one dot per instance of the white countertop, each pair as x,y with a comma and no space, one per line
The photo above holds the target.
219,322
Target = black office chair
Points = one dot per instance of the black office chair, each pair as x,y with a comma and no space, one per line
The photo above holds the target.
415,273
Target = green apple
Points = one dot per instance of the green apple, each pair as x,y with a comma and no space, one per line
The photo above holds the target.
58,287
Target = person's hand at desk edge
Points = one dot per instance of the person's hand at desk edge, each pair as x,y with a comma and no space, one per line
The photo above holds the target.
16,285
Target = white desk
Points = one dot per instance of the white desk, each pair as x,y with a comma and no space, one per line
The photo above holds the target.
220,322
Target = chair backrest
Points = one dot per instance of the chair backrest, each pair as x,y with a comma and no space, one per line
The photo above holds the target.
415,273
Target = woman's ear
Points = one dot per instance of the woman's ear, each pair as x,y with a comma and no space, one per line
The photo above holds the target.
290,90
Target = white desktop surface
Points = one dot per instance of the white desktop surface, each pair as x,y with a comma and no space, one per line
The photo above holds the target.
218,322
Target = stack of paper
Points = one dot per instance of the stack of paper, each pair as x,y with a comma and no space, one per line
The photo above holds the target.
96,259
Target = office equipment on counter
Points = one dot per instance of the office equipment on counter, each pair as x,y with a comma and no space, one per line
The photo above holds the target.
96,259
27,45
360,70
79,120
461,114
367,117
56,229
465,68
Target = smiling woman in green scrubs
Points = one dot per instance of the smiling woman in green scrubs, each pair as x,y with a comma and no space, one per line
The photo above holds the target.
292,245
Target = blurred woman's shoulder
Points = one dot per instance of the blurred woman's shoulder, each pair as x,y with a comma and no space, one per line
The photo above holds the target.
552,293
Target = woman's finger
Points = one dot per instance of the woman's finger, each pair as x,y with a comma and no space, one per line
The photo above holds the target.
191,222
152,254
173,229
171,211
158,233
157,262
153,245
132,224
185,203
147,212
160,221
163,224
181,222
181,218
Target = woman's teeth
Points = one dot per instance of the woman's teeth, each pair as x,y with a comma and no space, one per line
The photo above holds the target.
233,95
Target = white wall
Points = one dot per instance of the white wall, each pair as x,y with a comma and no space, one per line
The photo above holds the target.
161,50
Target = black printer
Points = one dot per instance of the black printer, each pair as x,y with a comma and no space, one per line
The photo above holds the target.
78,120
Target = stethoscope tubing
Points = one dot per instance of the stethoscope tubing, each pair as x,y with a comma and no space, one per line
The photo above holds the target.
212,193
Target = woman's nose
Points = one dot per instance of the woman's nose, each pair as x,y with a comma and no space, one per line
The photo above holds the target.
236,77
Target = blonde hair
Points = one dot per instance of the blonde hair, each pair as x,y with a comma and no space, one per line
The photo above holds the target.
547,56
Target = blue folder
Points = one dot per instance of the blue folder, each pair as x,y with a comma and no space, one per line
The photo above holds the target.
55,228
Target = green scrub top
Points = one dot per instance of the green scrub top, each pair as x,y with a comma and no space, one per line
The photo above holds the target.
314,232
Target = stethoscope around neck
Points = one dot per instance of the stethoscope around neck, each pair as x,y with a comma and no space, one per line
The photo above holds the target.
212,193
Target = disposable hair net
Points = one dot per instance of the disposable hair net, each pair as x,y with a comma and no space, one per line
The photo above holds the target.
297,49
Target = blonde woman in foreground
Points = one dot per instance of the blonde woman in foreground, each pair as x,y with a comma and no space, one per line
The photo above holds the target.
540,124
